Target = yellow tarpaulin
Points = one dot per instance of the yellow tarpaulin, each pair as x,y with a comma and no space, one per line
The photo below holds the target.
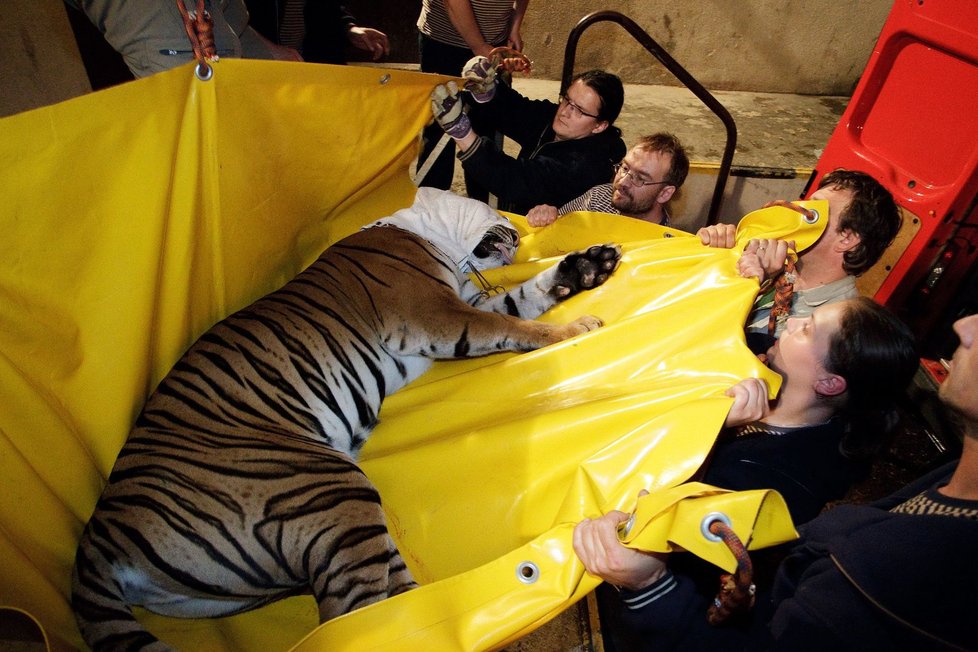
134,218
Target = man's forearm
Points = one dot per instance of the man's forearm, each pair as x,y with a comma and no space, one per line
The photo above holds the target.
463,18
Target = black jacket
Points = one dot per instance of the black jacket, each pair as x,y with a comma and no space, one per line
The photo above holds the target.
545,171
803,464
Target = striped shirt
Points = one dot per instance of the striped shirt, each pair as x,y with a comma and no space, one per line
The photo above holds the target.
598,200
292,29
933,503
493,17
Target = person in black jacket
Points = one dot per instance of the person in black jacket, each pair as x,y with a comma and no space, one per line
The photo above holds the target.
897,574
567,147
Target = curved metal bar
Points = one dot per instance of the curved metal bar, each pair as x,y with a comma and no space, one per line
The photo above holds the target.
678,72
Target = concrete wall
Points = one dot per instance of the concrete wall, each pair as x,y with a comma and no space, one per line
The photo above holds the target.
812,47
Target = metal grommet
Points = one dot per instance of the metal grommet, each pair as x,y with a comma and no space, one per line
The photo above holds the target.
527,572
709,520
385,78
626,527
810,216
204,72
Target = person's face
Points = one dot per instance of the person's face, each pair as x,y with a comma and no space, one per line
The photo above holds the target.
800,353
631,198
838,199
959,391
576,113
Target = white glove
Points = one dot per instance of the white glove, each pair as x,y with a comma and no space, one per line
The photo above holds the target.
480,79
446,106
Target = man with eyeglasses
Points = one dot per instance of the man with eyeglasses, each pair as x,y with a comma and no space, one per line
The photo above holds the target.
646,179
567,147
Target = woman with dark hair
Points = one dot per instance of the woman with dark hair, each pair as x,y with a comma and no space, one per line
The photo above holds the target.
844,367
567,146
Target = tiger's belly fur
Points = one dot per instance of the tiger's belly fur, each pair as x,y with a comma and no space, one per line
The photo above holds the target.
238,485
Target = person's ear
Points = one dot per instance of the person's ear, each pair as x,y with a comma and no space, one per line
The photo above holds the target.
666,194
848,239
830,385
601,126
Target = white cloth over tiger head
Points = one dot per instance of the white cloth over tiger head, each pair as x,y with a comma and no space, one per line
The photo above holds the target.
457,226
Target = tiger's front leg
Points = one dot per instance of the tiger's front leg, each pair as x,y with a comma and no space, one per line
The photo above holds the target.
575,273
442,325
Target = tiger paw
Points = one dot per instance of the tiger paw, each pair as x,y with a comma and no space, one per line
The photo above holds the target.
585,324
584,270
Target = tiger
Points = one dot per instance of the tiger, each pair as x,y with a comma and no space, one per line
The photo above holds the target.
238,484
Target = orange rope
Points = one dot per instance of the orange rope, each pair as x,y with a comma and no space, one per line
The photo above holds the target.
736,594
784,286
510,60
200,31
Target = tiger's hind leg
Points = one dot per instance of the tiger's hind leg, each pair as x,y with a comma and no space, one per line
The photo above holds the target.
335,533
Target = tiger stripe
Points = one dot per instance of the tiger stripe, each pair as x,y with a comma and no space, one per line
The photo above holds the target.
238,484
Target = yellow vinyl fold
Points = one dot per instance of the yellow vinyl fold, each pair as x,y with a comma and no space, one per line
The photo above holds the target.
136,217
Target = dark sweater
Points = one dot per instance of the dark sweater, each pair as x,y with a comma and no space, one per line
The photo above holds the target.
546,171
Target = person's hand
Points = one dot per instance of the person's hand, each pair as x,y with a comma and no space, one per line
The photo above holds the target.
283,53
596,543
723,236
750,402
541,215
764,258
515,39
370,40
446,106
480,79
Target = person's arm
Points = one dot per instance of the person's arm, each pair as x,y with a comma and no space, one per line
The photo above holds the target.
750,402
545,214
278,52
541,215
596,543
661,608
463,18
370,40
525,182
515,39
764,259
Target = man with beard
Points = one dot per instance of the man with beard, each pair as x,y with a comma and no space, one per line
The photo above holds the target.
645,180
863,219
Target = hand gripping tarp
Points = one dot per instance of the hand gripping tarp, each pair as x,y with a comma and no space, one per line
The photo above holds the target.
136,217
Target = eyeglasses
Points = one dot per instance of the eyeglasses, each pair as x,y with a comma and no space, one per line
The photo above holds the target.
622,169
576,110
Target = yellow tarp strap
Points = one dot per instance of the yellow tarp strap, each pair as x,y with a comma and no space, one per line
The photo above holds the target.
136,217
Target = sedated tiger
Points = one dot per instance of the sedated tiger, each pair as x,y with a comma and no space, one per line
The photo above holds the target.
238,484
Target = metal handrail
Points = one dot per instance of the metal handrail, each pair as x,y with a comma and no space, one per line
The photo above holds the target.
678,72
